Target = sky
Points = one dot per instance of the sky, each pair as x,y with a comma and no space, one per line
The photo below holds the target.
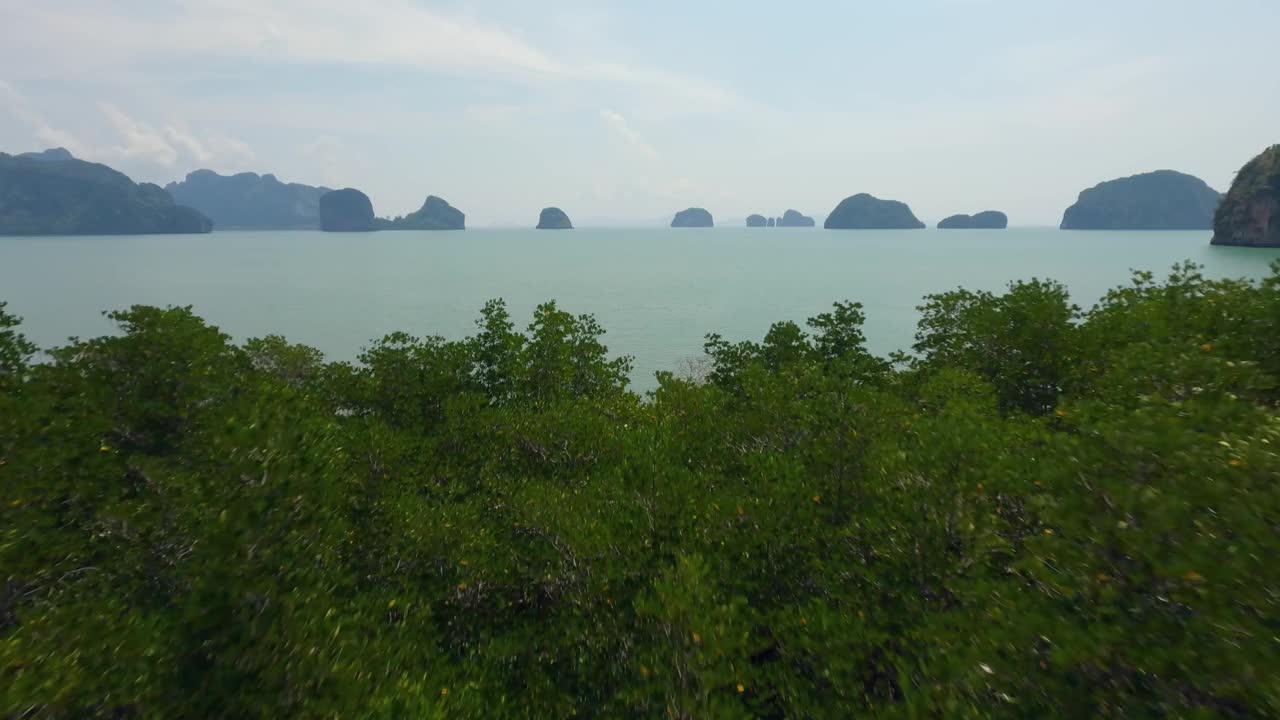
622,112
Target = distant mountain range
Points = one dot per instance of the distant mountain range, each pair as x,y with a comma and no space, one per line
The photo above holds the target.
53,192
250,201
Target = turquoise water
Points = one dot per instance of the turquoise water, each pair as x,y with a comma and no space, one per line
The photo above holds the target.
656,291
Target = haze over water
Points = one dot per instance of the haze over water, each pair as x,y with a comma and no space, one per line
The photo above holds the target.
656,291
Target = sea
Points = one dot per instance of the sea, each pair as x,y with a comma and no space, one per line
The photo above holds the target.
657,292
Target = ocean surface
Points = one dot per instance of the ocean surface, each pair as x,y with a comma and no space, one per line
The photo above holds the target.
656,291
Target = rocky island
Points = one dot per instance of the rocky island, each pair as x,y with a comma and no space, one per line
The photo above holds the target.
1249,215
693,218
867,212
250,201
1160,200
53,193
346,210
793,218
986,220
553,218
790,218
435,214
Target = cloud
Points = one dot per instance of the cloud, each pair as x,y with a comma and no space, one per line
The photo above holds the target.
231,150
216,148
619,124
19,107
315,32
134,140
139,141
186,140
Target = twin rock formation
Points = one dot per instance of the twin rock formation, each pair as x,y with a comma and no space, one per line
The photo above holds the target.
790,218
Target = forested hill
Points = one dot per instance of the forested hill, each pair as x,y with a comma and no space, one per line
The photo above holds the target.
52,193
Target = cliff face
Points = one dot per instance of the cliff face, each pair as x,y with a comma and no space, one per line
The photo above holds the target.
52,193
867,212
250,201
757,221
1249,215
1161,200
554,218
693,218
347,210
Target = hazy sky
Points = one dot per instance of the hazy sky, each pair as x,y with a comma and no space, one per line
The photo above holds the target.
627,111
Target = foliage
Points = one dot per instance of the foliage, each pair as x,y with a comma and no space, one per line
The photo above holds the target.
1044,512
1022,342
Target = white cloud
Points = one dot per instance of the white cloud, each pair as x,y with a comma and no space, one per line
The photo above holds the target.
186,140
139,141
134,140
222,149
19,107
319,32
230,150
619,124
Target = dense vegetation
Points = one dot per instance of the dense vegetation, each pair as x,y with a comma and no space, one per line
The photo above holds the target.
52,193
1160,200
249,200
1042,512
1250,212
